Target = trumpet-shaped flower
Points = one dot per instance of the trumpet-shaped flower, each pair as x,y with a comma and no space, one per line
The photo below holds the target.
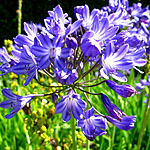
83,13
26,64
122,90
71,104
14,101
113,60
117,117
32,32
94,39
92,125
51,50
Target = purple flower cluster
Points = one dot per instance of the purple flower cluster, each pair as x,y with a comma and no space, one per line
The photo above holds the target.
110,41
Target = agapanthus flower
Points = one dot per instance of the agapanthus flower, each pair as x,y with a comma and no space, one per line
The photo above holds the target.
92,125
143,82
113,4
51,50
4,56
56,23
28,39
120,17
117,117
71,42
5,68
14,101
114,60
94,39
66,76
134,39
122,90
27,64
135,55
83,13
71,104
5,61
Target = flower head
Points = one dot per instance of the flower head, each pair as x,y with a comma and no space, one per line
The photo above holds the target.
14,101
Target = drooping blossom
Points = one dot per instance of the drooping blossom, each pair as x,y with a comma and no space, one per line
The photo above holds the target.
117,117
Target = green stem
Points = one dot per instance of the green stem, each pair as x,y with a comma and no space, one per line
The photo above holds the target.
148,144
143,122
19,15
113,138
87,77
73,133
87,144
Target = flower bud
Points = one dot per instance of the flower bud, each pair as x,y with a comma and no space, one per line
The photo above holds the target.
122,90
71,42
54,98
112,109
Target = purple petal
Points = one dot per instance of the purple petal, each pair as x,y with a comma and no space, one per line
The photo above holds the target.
95,26
100,122
108,34
77,111
7,104
66,52
126,123
121,52
81,123
60,106
66,115
104,73
12,113
39,50
119,76
104,23
30,77
8,93
89,113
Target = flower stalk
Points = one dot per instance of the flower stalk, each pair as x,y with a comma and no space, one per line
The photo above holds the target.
143,122
73,133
